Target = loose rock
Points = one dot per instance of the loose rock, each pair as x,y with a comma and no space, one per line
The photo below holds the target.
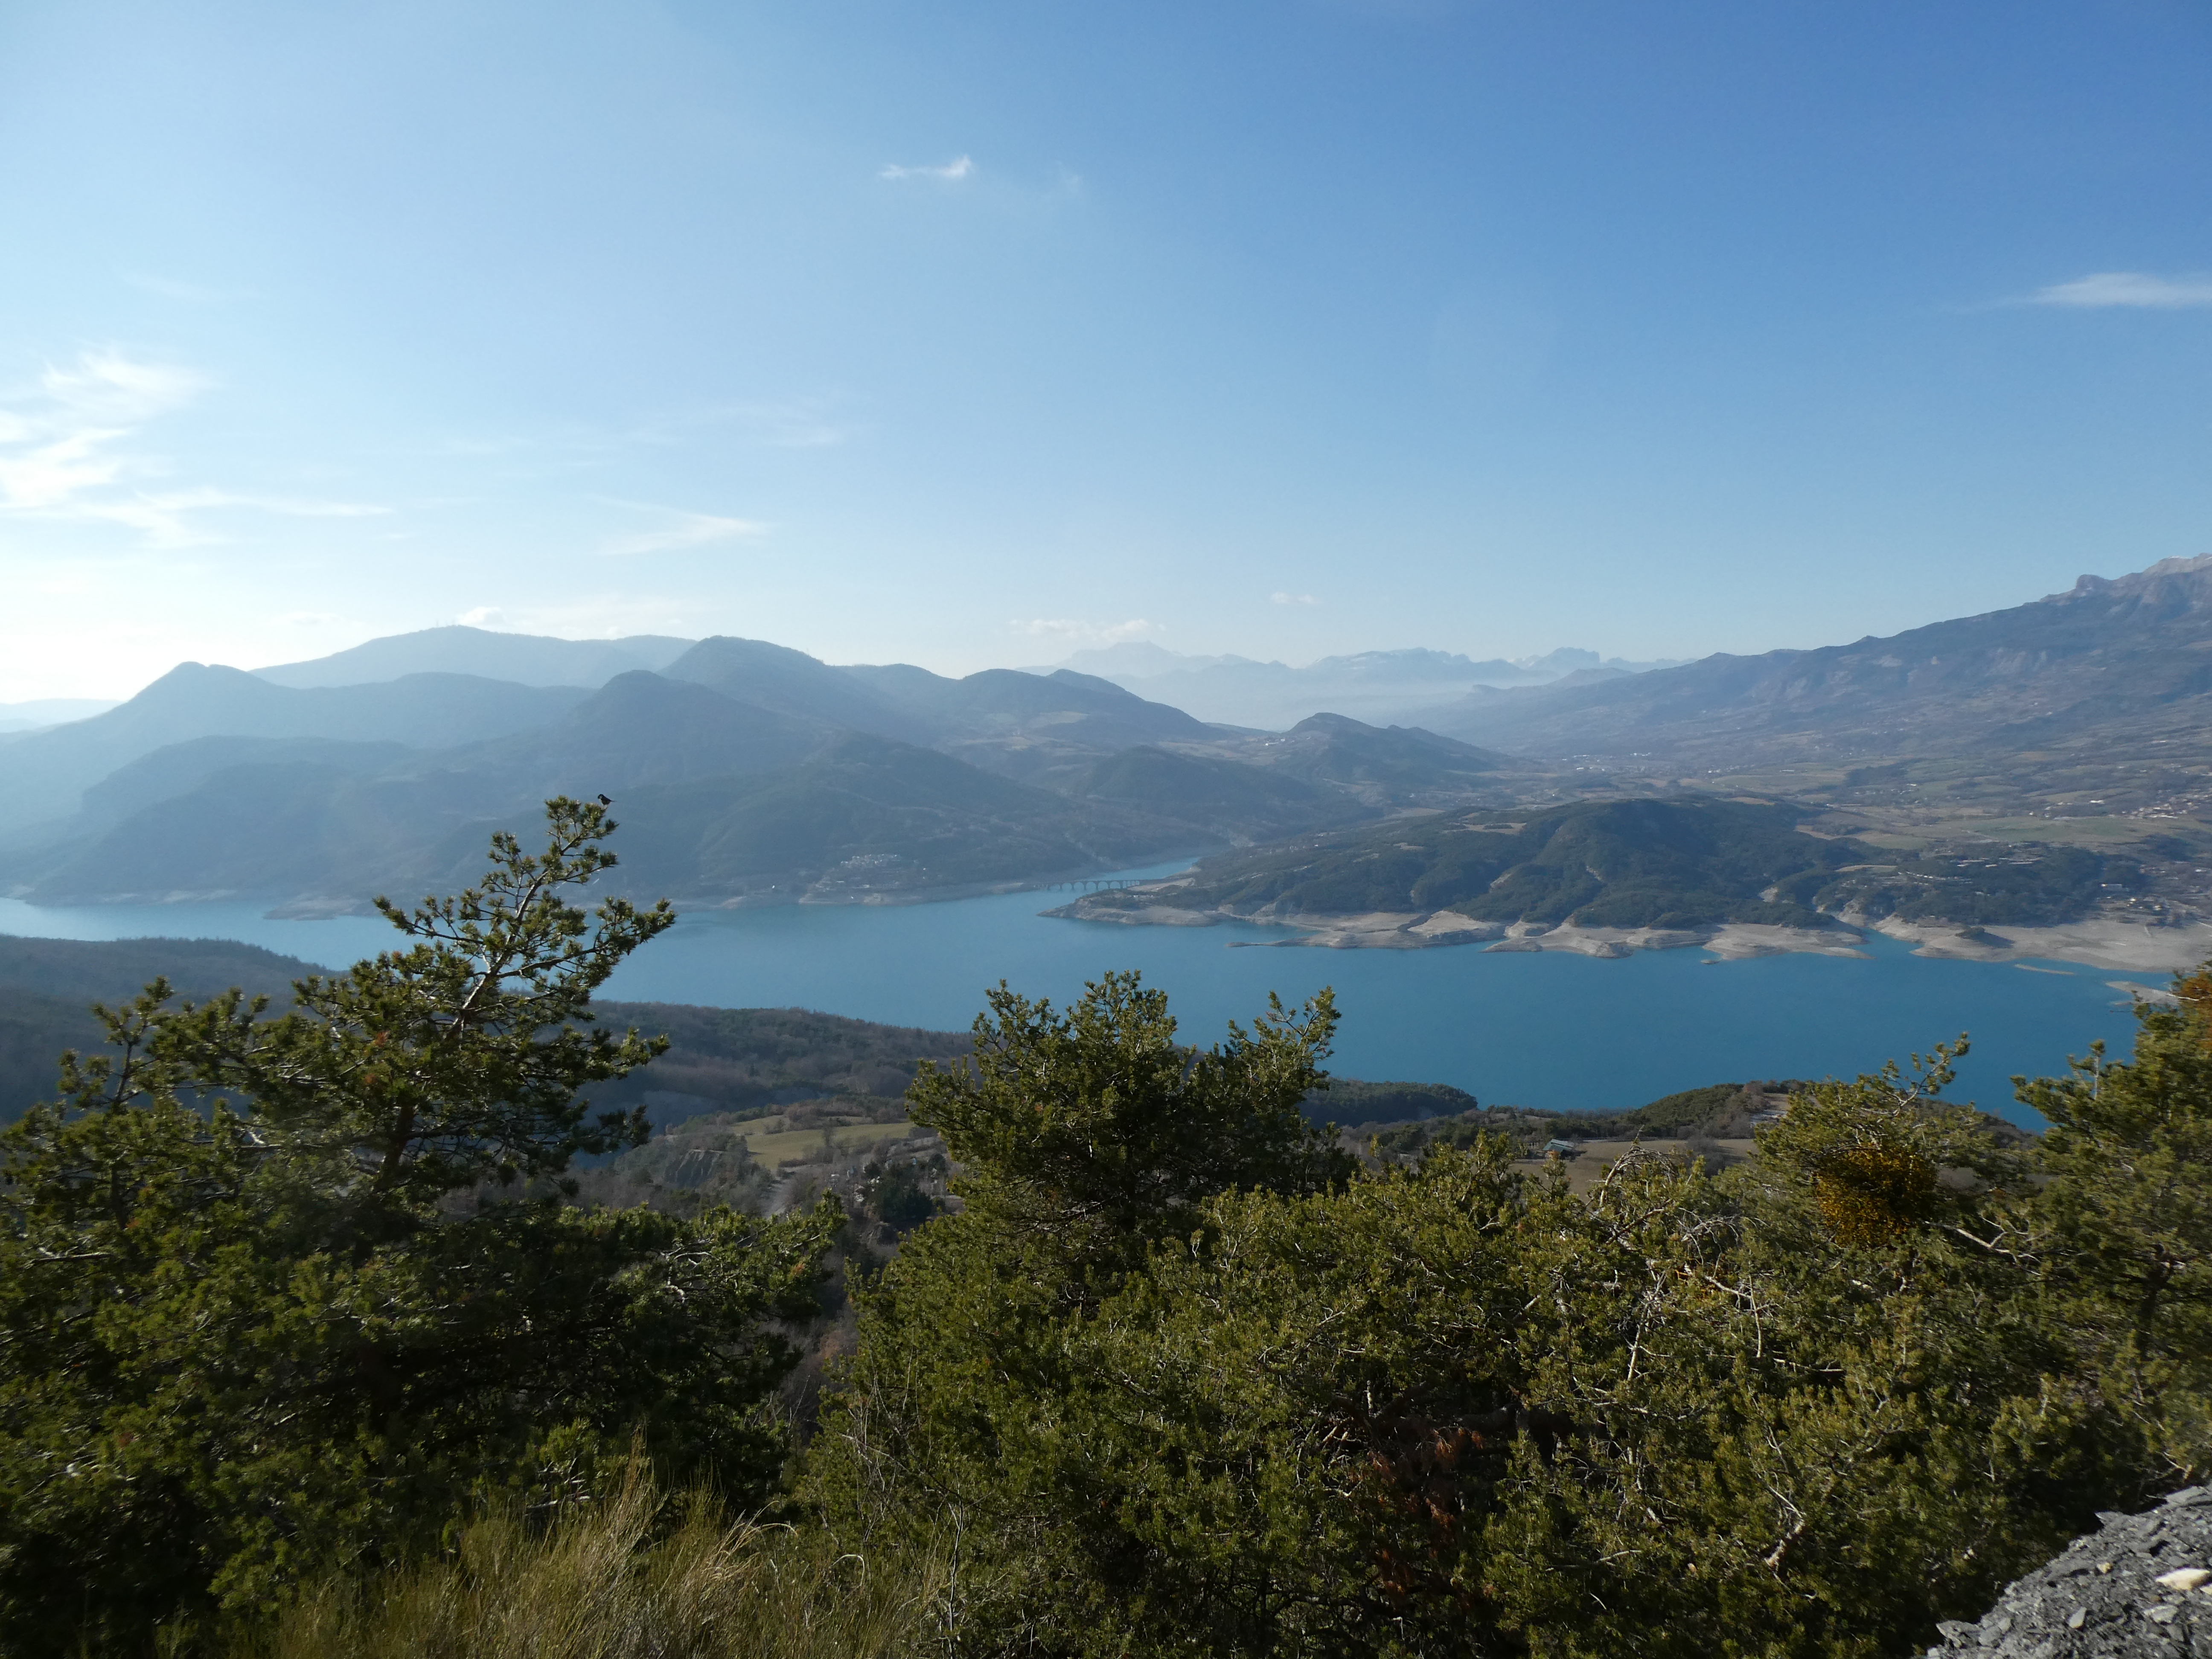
2142,1584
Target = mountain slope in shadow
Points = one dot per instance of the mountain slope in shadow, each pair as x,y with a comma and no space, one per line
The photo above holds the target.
45,774
854,815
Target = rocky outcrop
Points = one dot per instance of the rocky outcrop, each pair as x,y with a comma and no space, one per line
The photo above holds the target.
2141,1584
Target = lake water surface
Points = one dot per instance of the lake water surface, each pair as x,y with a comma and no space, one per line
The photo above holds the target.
1550,1030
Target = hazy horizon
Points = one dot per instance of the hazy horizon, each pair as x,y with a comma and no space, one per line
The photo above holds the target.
975,340
1077,658
1074,655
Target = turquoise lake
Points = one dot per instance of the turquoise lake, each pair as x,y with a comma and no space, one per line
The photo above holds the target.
1551,1030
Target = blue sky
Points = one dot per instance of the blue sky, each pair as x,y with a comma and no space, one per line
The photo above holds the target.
972,335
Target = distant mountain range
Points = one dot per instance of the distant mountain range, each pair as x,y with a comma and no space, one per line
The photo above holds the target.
1382,687
50,711
45,773
744,772
2114,673
526,658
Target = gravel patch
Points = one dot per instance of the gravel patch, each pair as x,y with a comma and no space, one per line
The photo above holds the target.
2141,1584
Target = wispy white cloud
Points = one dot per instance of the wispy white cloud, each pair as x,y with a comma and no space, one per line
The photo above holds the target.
797,422
284,507
1294,599
2132,289
791,423
170,519
484,616
111,387
58,453
298,506
779,422
678,529
951,171
67,453
61,443
190,292
1063,628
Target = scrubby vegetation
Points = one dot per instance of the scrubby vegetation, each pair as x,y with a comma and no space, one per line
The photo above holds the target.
1681,863
2019,887
1810,1408
1678,863
747,1062
1170,1372
1715,1112
1347,1102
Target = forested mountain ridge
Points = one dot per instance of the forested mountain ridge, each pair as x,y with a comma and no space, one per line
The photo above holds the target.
47,987
748,773
1395,765
861,815
867,815
1232,800
719,1060
44,774
1000,719
1681,862
1684,863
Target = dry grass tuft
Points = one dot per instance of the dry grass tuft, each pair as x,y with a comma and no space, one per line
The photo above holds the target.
625,1580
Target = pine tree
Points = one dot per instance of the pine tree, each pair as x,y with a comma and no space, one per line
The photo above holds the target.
271,1304
2121,1230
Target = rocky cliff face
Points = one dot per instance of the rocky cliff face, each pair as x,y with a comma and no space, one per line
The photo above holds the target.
2141,1584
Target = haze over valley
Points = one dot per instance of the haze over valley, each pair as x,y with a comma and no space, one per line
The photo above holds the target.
2038,767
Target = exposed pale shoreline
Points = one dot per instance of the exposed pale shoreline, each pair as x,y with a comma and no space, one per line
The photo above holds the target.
2098,942
2102,942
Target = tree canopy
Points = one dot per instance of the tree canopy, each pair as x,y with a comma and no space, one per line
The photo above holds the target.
271,1300
1809,1407
293,1302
